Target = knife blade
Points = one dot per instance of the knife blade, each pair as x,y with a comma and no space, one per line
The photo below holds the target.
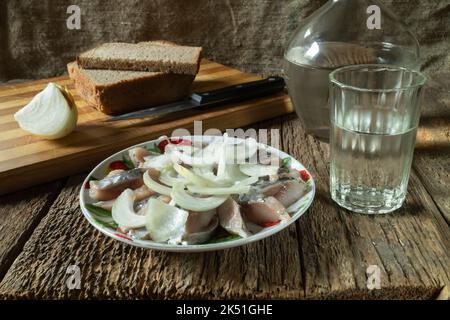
231,94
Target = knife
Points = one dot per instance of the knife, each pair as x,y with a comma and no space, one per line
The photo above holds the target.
232,94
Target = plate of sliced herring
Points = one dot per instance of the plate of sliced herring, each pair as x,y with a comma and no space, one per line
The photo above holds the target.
196,193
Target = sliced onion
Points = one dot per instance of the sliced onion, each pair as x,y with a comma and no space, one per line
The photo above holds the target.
123,212
188,202
203,157
168,177
237,153
155,186
233,176
222,157
189,150
157,162
234,173
165,222
236,189
248,181
258,170
207,174
190,176
200,158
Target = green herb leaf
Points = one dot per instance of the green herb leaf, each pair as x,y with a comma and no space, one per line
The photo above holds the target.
126,159
112,224
98,211
308,184
153,148
224,239
287,162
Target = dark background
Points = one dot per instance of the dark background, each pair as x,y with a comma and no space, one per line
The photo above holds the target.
248,34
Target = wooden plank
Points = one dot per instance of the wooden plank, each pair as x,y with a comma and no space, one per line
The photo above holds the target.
109,269
25,158
433,168
410,246
432,155
20,213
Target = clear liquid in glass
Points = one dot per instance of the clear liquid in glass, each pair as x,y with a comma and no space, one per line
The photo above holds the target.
370,171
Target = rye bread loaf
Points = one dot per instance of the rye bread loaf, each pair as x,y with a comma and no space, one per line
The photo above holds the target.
115,91
154,56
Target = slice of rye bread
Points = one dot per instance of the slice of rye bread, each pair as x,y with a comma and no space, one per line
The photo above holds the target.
115,92
153,56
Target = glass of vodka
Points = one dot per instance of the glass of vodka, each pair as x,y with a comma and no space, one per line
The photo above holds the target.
375,112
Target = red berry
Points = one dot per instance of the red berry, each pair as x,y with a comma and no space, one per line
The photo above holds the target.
270,224
304,175
182,142
162,145
118,165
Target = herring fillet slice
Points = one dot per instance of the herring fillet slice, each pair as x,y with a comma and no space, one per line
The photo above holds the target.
231,219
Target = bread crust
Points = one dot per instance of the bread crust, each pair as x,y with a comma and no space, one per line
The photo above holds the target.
130,95
89,59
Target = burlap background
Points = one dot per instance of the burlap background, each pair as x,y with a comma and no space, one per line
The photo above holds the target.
249,34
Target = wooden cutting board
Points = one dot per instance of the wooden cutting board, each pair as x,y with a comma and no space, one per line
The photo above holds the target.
27,160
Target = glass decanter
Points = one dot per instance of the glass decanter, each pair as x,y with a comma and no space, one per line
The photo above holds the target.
341,33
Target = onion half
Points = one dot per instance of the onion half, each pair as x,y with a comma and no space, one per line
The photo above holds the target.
51,114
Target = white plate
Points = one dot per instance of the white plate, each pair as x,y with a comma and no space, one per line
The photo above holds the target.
103,224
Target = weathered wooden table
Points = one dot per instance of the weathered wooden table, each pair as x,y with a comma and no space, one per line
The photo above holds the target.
326,254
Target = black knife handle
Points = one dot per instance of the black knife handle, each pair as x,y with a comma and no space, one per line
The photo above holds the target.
240,92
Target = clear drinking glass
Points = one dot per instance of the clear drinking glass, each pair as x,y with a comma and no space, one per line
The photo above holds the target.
375,112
